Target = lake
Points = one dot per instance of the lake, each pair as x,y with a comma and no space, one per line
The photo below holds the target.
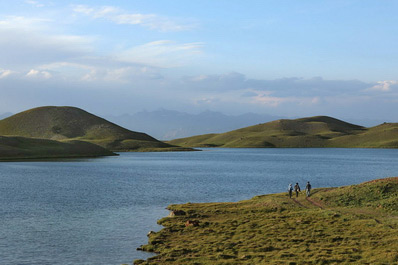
98,211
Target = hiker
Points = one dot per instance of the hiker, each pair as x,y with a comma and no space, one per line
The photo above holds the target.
308,189
297,189
290,190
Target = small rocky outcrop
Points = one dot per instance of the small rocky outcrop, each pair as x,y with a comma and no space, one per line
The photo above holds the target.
150,233
177,213
191,223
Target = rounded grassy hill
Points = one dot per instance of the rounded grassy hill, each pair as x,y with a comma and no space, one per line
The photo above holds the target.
71,123
319,131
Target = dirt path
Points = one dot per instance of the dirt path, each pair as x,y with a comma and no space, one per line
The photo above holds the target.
317,204
299,203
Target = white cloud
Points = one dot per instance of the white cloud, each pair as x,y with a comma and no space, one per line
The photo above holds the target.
29,42
270,101
119,16
60,66
99,69
34,3
283,87
21,22
4,73
162,53
123,74
223,82
273,101
384,86
38,74
36,44
223,78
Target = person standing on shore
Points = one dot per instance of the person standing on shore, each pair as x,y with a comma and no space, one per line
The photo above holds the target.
308,189
290,190
297,189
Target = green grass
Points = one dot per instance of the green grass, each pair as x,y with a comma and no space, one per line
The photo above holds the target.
347,225
320,131
69,123
19,148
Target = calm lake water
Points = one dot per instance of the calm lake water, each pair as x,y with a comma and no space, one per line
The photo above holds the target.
98,211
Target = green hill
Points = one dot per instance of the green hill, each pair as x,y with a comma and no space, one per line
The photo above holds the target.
319,131
17,148
347,225
67,123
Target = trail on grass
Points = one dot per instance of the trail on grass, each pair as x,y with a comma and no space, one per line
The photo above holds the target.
317,204
299,203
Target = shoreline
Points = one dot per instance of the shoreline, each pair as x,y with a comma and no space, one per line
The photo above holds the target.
51,158
333,225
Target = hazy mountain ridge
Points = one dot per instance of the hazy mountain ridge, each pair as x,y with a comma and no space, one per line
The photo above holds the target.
168,124
319,131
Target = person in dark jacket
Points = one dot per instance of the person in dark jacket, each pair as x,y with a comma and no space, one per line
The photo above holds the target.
308,189
297,189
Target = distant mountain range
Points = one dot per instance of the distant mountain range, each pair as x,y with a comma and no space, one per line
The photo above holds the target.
168,124
319,131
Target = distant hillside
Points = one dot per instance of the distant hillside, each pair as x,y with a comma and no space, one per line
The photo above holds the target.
16,148
320,131
168,124
61,123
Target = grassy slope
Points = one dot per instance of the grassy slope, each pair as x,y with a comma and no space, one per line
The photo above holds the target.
382,136
59,123
320,131
16,148
349,225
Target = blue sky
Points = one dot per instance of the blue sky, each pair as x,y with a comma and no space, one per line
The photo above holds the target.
290,58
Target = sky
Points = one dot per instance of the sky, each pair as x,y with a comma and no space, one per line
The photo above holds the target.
288,58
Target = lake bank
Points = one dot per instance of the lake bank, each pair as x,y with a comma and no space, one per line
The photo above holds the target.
335,225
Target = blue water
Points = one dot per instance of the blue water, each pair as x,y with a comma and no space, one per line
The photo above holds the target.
98,211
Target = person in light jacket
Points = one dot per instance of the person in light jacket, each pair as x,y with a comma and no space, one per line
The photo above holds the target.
290,190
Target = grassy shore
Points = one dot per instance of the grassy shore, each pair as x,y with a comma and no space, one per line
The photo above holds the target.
346,225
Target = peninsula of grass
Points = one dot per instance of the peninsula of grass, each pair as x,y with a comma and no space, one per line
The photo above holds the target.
347,225
315,132
21,148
